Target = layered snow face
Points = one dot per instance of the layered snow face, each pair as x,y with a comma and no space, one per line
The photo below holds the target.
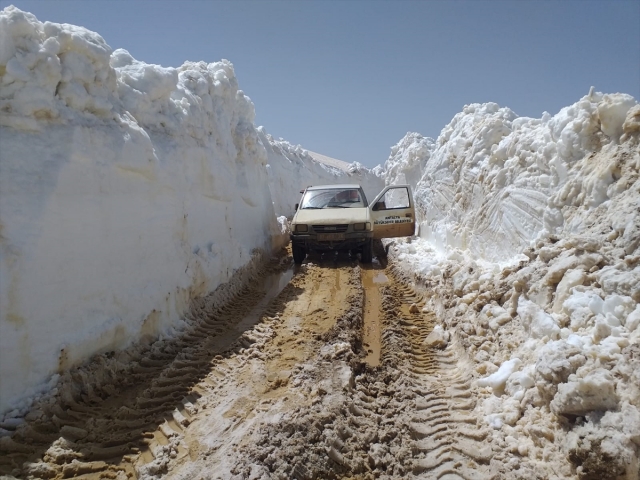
530,248
126,190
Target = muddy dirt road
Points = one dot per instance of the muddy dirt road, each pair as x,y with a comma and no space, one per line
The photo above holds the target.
316,372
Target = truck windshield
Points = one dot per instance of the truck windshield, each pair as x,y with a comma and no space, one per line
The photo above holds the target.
334,198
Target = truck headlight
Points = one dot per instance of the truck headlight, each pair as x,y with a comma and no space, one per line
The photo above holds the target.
301,228
359,227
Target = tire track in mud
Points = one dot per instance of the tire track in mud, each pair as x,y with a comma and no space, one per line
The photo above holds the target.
448,440
408,413
328,377
281,379
114,417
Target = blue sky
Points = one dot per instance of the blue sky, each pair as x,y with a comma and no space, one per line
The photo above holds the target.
349,78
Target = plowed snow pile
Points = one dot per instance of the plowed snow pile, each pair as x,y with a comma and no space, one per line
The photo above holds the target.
530,249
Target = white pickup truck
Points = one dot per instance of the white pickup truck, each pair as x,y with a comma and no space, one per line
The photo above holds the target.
338,217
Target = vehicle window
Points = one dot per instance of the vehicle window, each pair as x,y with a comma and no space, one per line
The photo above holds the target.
334,198
394,198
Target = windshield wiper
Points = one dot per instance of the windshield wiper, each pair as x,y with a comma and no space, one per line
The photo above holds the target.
312,208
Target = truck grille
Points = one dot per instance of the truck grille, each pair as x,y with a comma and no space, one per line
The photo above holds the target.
330,228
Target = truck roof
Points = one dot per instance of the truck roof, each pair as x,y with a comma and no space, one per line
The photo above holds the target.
341,185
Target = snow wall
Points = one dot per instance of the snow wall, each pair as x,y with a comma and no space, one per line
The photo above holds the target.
126,190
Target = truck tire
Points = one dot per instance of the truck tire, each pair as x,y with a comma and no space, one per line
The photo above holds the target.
367,252
299,254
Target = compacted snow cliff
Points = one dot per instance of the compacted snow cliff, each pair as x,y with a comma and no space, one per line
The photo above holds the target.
126,190
529,245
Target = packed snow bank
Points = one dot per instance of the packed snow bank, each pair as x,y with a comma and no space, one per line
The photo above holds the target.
126,190
530,250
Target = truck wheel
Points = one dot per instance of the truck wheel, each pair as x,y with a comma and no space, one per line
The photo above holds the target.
299,253
367,252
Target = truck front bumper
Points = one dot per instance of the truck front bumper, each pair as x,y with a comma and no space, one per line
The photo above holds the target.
351,241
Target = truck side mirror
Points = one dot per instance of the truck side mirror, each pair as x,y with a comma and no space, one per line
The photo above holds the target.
296,207
377,206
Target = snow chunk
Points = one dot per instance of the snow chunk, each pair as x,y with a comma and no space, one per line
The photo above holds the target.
438,338
618,306
615,279
534,318
498,379
581,307
519,382
556,362
602,329
571,278
332,351
633,320
631,124
627,421
595,391
154,81
612,111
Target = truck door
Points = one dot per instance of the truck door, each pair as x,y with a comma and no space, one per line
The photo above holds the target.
393,212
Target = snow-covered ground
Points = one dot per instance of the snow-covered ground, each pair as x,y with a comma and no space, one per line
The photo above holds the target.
126,190
529,244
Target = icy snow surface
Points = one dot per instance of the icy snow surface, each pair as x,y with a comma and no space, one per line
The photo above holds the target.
529,248
126,190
